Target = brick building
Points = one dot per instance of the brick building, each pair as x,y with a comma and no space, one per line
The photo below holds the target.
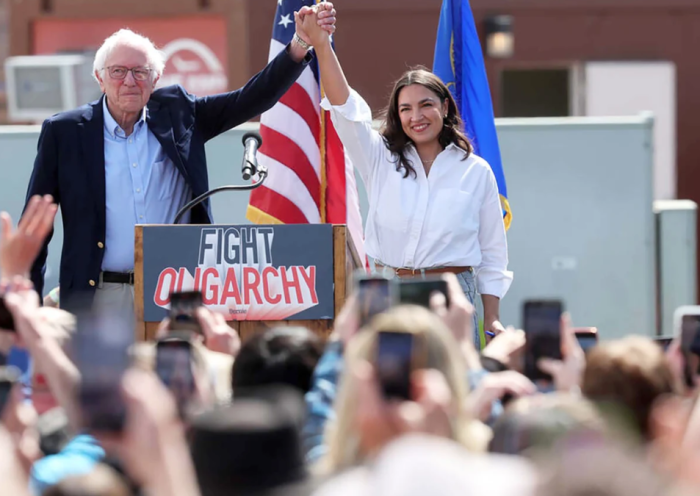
378,40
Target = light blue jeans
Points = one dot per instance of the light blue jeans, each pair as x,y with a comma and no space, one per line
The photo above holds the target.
467,281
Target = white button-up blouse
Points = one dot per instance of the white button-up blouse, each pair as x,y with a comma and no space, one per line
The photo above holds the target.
452,217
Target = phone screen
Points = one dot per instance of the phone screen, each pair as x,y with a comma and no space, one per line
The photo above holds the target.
182,311
394,364
375,295
174,368
101,346
690,335
541,321
419,291
7,322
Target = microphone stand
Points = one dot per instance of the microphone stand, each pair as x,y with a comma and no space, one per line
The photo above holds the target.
262,174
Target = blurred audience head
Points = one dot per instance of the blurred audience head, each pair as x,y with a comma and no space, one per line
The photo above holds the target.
600,469
420,465
101,481
282,355
626,377
534,424
346,441
252,446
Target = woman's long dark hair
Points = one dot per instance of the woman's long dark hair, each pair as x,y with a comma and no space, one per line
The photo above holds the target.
393,133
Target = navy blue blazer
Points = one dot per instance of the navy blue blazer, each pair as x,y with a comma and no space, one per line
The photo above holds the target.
70,162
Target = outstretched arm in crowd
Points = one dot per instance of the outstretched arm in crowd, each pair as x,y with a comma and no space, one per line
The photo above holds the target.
49,358
14,479
153,447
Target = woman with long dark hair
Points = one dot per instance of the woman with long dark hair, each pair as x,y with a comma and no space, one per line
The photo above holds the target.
433,204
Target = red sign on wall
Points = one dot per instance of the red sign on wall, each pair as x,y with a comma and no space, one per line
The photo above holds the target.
194,47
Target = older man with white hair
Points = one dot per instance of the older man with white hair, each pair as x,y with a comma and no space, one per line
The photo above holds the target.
136,156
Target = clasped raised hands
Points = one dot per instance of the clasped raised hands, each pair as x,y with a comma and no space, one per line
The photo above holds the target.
315,24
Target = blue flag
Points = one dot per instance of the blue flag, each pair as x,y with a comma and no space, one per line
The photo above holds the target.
459,62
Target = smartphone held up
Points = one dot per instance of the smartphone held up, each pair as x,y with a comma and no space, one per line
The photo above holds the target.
174,368
687,326
377,294
183,308
542,325
101,349
374,296
398,355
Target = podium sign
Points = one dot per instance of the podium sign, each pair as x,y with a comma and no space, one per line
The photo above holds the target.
250,272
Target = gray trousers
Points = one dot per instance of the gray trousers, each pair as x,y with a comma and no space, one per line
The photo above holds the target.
116,299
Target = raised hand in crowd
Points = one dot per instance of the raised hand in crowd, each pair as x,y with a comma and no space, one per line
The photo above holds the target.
153,446
379,421
19,418
347,323
494,387
19,248
566,373
217,335
684,373
15,480
506,348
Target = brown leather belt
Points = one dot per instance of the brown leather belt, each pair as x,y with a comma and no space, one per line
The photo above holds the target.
419,272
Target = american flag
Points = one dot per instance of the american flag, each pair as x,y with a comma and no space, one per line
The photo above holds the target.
311,179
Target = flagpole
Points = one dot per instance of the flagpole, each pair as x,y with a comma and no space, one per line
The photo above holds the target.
322,147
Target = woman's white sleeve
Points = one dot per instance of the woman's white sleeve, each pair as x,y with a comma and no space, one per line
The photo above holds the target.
492,275
353,123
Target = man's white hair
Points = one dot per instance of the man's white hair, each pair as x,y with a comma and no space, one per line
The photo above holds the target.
156,58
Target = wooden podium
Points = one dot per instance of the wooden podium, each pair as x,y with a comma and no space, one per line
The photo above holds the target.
345,260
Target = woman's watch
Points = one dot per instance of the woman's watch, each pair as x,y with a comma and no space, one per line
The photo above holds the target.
301,42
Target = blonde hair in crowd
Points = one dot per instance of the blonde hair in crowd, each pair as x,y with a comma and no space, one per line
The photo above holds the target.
442,354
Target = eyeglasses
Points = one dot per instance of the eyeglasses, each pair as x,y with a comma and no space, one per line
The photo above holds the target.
120,72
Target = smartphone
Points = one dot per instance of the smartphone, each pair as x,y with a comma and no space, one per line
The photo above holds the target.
101,350
183,307
8,378
7,322
587,337
419,291
398,355
174,368
541,322
687,323
375,295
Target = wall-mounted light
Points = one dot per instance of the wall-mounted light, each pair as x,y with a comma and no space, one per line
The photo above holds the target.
500,41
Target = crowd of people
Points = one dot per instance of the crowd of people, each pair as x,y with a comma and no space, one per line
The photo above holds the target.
286,413
200,413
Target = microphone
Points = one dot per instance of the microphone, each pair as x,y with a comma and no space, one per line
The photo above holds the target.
251,143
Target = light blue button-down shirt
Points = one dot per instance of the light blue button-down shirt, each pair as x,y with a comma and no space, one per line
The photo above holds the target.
143,186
